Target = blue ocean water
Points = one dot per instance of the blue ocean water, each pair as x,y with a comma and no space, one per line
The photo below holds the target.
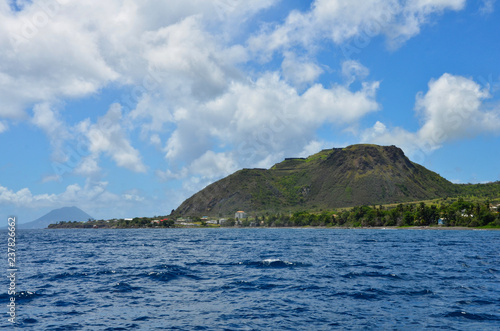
256,279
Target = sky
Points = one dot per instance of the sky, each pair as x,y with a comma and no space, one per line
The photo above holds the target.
127,108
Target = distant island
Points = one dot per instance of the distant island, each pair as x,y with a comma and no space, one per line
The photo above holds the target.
356,186
57,215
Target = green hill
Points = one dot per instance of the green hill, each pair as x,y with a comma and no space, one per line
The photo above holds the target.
340,177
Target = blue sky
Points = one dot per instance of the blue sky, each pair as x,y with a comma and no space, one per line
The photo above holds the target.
127,109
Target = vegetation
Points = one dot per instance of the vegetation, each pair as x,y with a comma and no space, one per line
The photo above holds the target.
138,222
458,213
442,212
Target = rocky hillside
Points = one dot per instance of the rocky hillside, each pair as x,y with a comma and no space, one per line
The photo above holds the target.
339,177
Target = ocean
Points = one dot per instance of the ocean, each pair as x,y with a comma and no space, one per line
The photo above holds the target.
255,279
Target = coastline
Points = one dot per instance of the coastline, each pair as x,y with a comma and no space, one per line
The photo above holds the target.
419,228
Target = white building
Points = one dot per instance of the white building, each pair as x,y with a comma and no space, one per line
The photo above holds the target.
240,215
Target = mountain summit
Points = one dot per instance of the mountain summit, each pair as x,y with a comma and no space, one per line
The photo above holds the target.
340,177
62,214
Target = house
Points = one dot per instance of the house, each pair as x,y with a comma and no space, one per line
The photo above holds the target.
240,215
441,221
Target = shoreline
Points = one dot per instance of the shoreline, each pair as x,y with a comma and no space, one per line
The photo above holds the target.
419,228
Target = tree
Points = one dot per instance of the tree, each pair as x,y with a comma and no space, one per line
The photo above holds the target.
408,218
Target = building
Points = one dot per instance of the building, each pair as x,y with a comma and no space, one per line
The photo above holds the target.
240,215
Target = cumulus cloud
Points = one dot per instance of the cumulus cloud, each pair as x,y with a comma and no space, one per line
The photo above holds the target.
108,136
188,93
47,56
453,108
261,121
23,197
68,49
189,57
74,194
298,71
211,165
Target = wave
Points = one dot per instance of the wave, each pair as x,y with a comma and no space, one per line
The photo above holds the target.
80,274
370,274
274,263
418,293
477,302
122,287
246,286
471,316
167,273
65,275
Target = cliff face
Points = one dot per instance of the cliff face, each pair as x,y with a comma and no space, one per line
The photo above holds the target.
339,177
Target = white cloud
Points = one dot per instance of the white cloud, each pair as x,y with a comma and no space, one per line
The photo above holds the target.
51,178
190,58
93,197
133,195
189,93
344,20
298,71
47,119
169,174
88,166
74,194
212,165
417,13
68,49
487,7
311,148
3,126
452,109
108,136
47,56
23,197
260,122
352,70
